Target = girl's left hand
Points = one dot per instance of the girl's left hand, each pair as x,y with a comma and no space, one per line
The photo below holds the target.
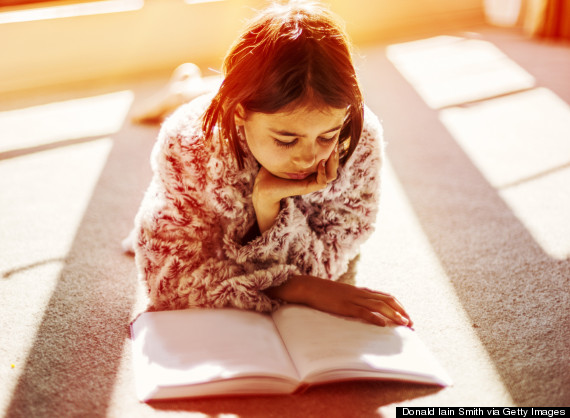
342,299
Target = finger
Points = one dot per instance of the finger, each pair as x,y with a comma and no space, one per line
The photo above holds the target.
322,174
388,309
398,311
392,314
397,306
332,164
369,316
389,300
314,182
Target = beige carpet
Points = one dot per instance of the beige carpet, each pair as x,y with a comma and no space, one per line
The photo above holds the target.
473,236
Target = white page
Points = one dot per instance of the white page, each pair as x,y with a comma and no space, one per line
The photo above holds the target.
189,347
319,342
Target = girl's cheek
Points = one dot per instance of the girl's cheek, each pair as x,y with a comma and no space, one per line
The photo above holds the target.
281,158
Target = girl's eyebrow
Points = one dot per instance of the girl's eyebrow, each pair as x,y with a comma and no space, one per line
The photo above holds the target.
288,133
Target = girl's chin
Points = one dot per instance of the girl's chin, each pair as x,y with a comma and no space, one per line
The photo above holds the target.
297,176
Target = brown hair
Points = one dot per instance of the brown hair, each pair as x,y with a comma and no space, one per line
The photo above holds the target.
288,54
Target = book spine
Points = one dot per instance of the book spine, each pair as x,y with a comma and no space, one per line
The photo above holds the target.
131,327
301,388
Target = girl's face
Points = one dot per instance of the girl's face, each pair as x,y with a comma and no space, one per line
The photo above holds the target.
290,144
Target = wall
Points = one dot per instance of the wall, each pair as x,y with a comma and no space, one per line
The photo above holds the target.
372,20
165,33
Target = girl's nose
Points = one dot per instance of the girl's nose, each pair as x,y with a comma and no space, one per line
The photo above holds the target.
305,158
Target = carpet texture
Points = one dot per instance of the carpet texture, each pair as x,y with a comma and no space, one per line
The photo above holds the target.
472,237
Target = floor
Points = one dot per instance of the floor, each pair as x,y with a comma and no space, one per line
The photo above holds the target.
473,234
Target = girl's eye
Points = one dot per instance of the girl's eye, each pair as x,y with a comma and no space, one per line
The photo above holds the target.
285,144
327,140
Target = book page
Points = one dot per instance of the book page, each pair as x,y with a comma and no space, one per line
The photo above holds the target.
336,347
197,346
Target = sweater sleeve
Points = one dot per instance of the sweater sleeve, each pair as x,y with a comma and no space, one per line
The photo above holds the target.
321,232
180,230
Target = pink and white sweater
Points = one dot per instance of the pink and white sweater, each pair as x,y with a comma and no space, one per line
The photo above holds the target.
189,231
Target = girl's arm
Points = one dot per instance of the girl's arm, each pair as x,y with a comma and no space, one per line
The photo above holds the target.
322,231
190,226
268,190
342,299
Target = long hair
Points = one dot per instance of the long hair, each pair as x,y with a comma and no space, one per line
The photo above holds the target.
293,53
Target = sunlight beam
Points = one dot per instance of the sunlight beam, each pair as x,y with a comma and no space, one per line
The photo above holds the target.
412,255
450,70
62,121
41,210
513,137
520,145
72,10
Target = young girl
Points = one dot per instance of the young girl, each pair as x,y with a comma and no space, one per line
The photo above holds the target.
263,192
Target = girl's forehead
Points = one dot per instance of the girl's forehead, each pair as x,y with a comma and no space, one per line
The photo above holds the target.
301,122
308,114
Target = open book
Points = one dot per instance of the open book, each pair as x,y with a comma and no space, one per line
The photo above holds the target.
206,352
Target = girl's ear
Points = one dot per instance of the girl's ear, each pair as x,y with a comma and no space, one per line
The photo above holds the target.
239,115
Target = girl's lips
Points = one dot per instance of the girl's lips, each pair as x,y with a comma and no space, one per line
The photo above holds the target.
297,176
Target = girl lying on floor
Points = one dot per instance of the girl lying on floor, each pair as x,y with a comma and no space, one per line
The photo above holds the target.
264,190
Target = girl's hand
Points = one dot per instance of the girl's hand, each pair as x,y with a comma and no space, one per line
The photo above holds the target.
268,189
343,299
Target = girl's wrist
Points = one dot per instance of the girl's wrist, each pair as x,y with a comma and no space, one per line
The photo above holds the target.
294,290
266,215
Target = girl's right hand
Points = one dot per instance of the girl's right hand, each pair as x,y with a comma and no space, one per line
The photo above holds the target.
268,190
272,188
343,299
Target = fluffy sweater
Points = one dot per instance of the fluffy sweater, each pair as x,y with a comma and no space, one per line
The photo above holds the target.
190,229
